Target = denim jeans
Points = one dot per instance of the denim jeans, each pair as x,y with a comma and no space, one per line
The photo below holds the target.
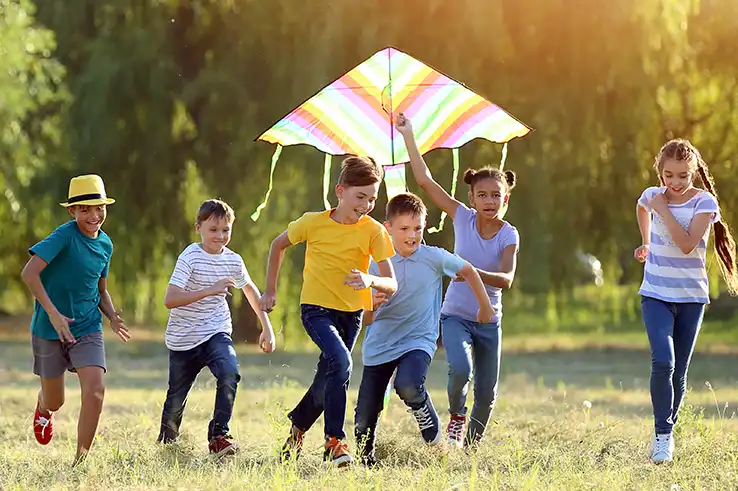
335,333
412,368
672,330
218,354
472,348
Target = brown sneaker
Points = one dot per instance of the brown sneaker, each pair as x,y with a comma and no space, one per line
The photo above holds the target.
221,445
293,444
337,452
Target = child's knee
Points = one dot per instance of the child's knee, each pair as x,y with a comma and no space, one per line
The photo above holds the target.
342,364
410,393
460,373
94,390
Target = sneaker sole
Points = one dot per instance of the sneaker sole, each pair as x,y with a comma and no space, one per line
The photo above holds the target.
232,450
343,461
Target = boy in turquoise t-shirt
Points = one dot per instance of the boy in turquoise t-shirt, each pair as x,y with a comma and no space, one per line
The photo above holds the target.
67,274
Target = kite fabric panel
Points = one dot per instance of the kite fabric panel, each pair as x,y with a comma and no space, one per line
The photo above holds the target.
354,114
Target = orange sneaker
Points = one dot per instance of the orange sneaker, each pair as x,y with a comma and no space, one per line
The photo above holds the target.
337,452
293,444
221,446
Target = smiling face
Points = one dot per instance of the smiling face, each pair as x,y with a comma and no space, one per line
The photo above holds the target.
406,231
356,201
215,233
89,218
488,196
678,176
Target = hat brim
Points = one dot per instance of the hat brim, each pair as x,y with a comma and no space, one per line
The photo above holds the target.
90,202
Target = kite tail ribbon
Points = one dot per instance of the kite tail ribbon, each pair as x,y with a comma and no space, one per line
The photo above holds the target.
455,155
327,179
504,156
275,158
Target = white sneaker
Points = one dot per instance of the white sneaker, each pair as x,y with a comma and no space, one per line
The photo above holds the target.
661,448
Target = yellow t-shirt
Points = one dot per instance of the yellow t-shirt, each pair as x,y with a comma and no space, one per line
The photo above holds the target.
333,250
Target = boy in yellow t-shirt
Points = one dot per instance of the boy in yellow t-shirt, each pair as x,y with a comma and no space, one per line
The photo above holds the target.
336,289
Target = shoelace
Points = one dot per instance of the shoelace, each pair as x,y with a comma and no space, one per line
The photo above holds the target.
662,444
455,429
338,448
423,417
44,423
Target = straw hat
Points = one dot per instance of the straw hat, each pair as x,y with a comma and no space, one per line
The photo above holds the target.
87,190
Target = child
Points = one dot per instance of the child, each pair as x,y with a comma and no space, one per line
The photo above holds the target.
674,221
336,290
403,330
68,276
490,244
199,328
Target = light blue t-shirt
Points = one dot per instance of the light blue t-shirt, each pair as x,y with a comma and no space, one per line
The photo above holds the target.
76,263
484,254
409,320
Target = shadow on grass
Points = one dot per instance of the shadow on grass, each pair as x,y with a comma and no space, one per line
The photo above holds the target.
144,365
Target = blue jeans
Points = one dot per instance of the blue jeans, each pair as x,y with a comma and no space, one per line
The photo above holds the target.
412,368
335,333
472,348
218,354
672,330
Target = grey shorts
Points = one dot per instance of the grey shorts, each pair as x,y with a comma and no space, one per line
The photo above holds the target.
52,357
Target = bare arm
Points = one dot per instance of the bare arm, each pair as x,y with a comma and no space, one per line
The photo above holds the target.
644,224
386,281
505,276
177,297
687,240
31,275
106,301
276,256
107,308
252,295
472,276
421,172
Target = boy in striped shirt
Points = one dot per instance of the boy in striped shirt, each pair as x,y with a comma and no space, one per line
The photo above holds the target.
199,330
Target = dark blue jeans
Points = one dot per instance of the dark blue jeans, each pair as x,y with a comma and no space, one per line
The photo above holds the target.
672,330
335,333
412,368
218,354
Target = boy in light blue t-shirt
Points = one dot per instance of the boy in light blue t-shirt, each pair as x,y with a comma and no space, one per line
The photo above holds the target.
403,329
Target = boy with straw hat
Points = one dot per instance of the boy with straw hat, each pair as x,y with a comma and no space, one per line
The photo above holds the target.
68,275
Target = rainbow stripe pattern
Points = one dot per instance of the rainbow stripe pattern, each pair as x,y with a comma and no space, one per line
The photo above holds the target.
354,114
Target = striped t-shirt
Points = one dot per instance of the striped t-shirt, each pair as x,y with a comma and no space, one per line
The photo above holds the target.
669,274
193,324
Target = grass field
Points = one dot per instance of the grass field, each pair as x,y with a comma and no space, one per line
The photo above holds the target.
542,436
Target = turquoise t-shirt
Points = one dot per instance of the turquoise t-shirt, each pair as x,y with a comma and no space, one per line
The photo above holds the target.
76,263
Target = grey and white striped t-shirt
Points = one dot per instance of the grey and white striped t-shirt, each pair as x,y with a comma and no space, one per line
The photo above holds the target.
671,275
193,324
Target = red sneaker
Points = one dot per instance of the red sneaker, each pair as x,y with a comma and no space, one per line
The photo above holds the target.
455,430
43,427
221,446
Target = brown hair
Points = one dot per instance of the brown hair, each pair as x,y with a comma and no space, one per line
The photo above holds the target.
508,177
683,151
216,208
360,171
405,204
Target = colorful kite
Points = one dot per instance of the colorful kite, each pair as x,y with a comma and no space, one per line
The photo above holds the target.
355,115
